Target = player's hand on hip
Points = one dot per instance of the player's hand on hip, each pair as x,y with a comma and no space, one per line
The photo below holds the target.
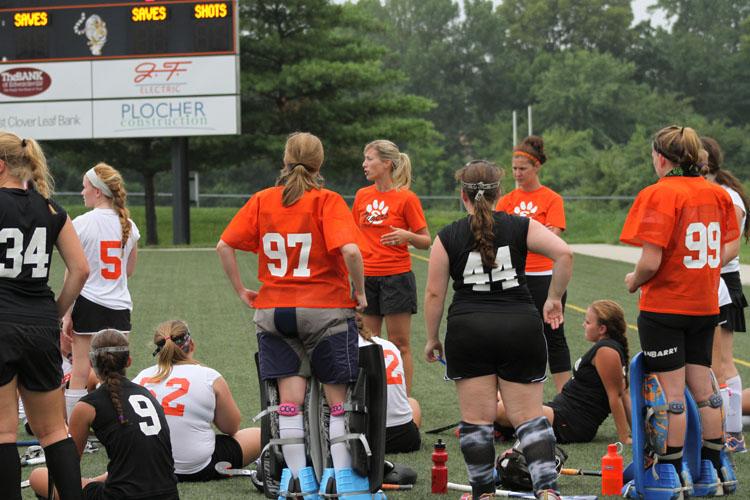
553,313
630,282
248,297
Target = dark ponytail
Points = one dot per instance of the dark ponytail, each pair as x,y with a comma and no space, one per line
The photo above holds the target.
480,181
109,357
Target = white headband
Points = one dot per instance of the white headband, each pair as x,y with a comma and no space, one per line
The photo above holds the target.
98,183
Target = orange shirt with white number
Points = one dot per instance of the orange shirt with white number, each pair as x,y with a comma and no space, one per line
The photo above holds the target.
690,219
376,213
544,206
299,258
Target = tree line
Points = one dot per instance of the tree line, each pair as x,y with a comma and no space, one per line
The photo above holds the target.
441,79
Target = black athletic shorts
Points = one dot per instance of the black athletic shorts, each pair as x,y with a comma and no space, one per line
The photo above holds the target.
508,344
568,427
97,491
32,353
670,341
89,318
402,438
226,449
734,313
557,346
392,294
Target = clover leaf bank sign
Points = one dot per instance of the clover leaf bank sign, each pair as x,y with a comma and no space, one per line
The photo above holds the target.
183,81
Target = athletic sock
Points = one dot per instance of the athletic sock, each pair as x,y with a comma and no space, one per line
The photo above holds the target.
294,454
478,447
10,471
340,455
538,446
711,450
65,468
676,461
724,391
734,414
72,396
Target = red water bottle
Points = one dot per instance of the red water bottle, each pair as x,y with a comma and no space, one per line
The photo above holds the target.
439,470
612,464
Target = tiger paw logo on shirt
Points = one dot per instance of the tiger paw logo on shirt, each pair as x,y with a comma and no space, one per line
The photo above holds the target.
377,212
525,209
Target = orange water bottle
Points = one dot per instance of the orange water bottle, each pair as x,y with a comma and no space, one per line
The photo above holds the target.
439,470
612,465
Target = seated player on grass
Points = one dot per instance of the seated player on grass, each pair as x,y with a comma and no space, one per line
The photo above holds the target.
194,397
130,424
599,383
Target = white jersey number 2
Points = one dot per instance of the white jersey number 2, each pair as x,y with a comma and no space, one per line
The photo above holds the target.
274,246
504,272
35,255
706,240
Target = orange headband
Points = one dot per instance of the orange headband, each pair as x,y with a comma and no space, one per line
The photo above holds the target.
527,155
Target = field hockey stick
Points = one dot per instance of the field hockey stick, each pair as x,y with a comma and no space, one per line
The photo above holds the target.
517,494
396,487
225,469
30,442
443,428
580,472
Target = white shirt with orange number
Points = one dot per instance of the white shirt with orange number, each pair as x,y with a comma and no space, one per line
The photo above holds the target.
188,398
101,234
399,411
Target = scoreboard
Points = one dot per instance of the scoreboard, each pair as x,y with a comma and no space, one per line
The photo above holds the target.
55,31
72,69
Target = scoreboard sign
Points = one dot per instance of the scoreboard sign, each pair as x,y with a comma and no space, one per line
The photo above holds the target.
72,69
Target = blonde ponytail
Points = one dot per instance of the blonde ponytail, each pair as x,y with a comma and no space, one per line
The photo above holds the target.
303,157
172,340
112,178
26,162
400,162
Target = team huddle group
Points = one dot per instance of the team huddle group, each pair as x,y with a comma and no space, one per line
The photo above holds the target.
331,277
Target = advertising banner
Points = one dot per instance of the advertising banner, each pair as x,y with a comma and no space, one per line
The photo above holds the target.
48,120
45,81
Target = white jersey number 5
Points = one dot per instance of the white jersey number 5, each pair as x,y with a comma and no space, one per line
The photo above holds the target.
274,246
706,240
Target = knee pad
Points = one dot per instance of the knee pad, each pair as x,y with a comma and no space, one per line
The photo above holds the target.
714,401
676,407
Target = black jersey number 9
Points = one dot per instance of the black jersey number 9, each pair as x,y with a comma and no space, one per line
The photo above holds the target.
35,255
144,408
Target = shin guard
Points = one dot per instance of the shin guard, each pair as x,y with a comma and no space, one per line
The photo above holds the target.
538,446
478,449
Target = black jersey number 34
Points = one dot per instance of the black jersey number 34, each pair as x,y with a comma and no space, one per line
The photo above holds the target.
15,257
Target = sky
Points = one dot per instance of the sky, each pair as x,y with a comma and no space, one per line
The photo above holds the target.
640,14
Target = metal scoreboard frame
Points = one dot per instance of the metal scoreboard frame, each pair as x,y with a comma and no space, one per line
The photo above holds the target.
84,69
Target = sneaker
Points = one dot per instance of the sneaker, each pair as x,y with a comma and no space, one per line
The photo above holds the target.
91,447
735,442
548,495
34,455
727,476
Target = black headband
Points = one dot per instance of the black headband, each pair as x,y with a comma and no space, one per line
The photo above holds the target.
182,343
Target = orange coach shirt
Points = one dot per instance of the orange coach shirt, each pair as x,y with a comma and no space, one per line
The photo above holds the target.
544,206
375,213
690,219
299,262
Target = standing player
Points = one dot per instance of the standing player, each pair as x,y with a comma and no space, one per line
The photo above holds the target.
130,424
390,217
734,312
494,330
194,398
682,224
531,199
30,363
110,241
305,238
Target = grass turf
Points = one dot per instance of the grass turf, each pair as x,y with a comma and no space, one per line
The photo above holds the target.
189,284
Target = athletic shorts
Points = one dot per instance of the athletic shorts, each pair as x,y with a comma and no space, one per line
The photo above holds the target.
403,438
670,341
32,353
391,294
98,491
306,341
557,346
568,427
734,313
226,449
510,345
90,318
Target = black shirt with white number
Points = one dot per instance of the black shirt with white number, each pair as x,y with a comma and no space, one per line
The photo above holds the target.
140,452
480,289
28,231
584,397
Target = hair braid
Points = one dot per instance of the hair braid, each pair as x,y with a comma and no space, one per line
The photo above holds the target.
114,385
114,181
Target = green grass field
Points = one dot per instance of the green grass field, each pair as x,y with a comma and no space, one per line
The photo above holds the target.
189,284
